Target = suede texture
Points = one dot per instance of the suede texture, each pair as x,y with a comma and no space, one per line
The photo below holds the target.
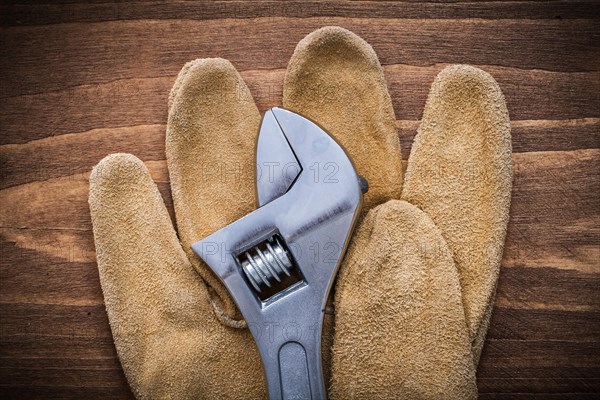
400,327
460,173
168,338
415,291
173,324
322,82
334,78
211,134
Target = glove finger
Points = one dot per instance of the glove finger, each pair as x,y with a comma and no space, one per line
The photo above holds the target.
400,326
169,342
460,174
211,135
335,79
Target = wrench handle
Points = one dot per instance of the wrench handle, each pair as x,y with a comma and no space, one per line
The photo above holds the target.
295,374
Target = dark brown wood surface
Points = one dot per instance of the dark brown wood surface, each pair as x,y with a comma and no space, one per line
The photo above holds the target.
81,80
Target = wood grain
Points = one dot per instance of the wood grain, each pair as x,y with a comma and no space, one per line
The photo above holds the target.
81,80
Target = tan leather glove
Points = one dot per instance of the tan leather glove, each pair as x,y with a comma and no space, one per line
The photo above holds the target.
413,300
400,322
175,329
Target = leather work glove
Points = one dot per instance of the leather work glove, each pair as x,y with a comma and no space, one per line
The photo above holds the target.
415,292
416,288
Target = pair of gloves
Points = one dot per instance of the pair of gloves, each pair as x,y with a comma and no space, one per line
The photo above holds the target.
415,291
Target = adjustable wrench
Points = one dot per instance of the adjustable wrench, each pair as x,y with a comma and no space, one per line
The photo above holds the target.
279,261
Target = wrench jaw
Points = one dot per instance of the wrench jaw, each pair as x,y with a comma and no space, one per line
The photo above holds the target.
276,165
311,219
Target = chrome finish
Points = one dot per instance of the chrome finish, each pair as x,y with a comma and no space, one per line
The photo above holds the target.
279,261
276,164
266,265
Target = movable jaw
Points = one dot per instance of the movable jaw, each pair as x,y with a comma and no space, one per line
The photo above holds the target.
279,261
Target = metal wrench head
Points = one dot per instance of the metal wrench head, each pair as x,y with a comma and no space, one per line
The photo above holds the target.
279,261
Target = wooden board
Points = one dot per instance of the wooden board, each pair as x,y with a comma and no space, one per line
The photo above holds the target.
82,80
